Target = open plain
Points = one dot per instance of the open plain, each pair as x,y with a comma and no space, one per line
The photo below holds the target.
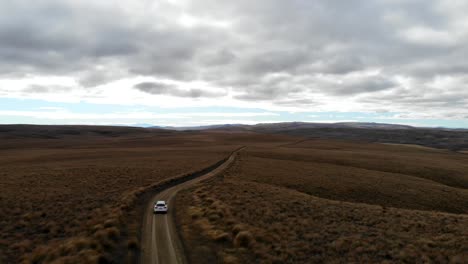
65,191
329,201
79,195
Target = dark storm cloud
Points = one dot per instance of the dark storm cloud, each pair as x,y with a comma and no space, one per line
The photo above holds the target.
271,50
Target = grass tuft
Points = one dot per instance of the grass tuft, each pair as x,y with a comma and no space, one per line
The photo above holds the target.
243,239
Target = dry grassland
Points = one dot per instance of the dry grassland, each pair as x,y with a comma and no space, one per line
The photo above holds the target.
66,199
330,201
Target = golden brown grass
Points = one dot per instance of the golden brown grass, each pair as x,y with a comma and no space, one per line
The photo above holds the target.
66,200
72,199
330,201
414,146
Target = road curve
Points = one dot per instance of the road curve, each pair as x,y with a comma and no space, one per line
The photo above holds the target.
160,243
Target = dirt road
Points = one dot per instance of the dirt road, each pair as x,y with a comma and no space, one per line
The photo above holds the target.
160,241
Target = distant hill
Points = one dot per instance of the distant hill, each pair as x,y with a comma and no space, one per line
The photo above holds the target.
66,131
444,138
304,125
270,127
209,127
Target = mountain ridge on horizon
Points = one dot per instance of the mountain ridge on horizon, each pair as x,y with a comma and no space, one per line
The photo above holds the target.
442,138
301,124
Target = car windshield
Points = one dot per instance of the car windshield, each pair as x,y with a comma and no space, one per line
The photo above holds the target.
160,204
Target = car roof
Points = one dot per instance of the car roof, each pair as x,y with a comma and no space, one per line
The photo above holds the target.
160,202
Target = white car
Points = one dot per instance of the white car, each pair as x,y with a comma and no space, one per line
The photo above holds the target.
160,207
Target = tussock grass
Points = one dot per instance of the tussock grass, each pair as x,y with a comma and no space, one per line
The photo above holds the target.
243,239
72,196
304,206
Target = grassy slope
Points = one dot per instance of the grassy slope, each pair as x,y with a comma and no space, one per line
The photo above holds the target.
331,201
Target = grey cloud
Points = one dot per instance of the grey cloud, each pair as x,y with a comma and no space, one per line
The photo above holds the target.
361,86
96,76
275,62
427,69
434,103
256,96
297,102
60,37
36,89
274,50
218,58
342,65
269,89
427,100
69,37
172,90
45,89
155,88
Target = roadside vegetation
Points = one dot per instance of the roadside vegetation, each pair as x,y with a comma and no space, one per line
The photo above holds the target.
330,201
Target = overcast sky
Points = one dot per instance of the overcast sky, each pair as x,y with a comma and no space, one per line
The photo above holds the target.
181,62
